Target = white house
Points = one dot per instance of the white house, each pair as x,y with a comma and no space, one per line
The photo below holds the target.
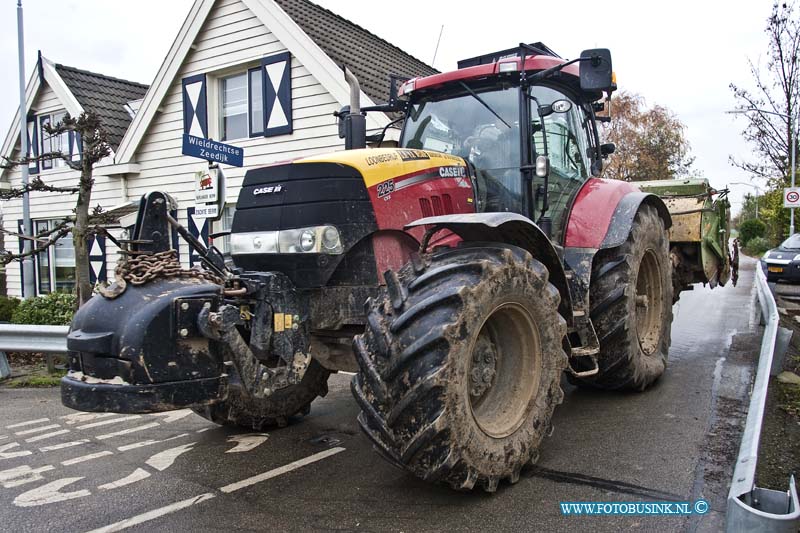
52,91
264,75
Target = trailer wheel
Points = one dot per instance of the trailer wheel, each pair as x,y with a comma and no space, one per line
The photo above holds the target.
631,306
275,410
460,365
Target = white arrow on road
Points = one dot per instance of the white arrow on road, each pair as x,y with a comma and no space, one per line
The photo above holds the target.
5,454
247,441
163,460
50,493
137,475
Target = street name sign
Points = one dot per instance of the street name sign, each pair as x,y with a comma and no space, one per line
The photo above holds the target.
211,150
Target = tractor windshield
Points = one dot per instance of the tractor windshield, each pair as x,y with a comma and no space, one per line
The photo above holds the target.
482,129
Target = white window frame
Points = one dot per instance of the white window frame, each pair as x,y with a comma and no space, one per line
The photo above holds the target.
57,163
51,258
215,95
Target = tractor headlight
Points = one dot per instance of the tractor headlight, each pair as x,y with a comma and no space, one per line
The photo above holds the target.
314,240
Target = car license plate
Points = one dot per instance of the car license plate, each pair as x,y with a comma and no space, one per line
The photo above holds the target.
777,270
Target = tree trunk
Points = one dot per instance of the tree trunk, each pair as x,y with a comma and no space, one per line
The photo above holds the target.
83,285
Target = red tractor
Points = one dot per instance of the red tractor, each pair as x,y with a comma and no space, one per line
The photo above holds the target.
459,275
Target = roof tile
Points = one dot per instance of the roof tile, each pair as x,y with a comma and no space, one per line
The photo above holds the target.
105,96
369,57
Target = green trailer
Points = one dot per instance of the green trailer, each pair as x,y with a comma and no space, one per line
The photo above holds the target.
700,232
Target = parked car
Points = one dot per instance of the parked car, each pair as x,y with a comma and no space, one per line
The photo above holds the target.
783,262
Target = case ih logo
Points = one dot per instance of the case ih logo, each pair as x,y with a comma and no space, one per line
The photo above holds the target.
452,172
268,190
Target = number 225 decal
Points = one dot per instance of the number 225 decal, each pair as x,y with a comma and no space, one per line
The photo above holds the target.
386,188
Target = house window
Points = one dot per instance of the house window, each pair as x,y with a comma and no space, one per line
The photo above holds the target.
242,106
55,267
53,143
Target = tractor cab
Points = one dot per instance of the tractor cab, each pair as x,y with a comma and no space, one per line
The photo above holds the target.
529,135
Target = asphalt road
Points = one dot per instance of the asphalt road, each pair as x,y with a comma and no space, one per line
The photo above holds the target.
64,471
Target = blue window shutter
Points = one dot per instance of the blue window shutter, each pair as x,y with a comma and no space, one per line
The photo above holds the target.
198,227
277,83
75,147
195,112
97,258
33,145
45,165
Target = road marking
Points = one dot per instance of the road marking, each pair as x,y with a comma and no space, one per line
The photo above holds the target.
4,454
177,506
63,445
22,475
28,423
77,418
172,416
107,422
203,430
47,435
281,470
84,458
155,513
163,460
126,431
3,437
37,430
137,475
246,442
150,442
50,493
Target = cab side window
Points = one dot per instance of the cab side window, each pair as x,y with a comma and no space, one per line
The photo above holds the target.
568,150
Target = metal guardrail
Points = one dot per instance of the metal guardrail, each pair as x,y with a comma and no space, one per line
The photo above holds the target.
24,338
751,508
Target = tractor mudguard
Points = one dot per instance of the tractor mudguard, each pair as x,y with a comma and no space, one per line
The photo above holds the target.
603,212
509,228
622,219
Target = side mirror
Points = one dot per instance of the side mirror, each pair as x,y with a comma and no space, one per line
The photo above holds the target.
595,70
607,149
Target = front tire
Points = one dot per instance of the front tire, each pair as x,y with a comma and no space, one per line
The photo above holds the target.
460,365
631,306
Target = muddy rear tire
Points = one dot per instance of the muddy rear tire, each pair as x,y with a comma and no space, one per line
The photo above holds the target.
460,365
275,410
631,306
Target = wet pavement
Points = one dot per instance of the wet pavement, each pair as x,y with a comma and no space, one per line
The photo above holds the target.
64,471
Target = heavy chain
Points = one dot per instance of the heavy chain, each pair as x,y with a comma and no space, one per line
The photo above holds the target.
143,268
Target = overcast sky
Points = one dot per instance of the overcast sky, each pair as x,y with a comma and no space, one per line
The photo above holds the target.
679,54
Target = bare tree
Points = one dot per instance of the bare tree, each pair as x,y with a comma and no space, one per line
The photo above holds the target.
773,100
95,146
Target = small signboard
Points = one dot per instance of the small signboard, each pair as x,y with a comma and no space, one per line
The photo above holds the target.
212,150
206,186
791,197
206,210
